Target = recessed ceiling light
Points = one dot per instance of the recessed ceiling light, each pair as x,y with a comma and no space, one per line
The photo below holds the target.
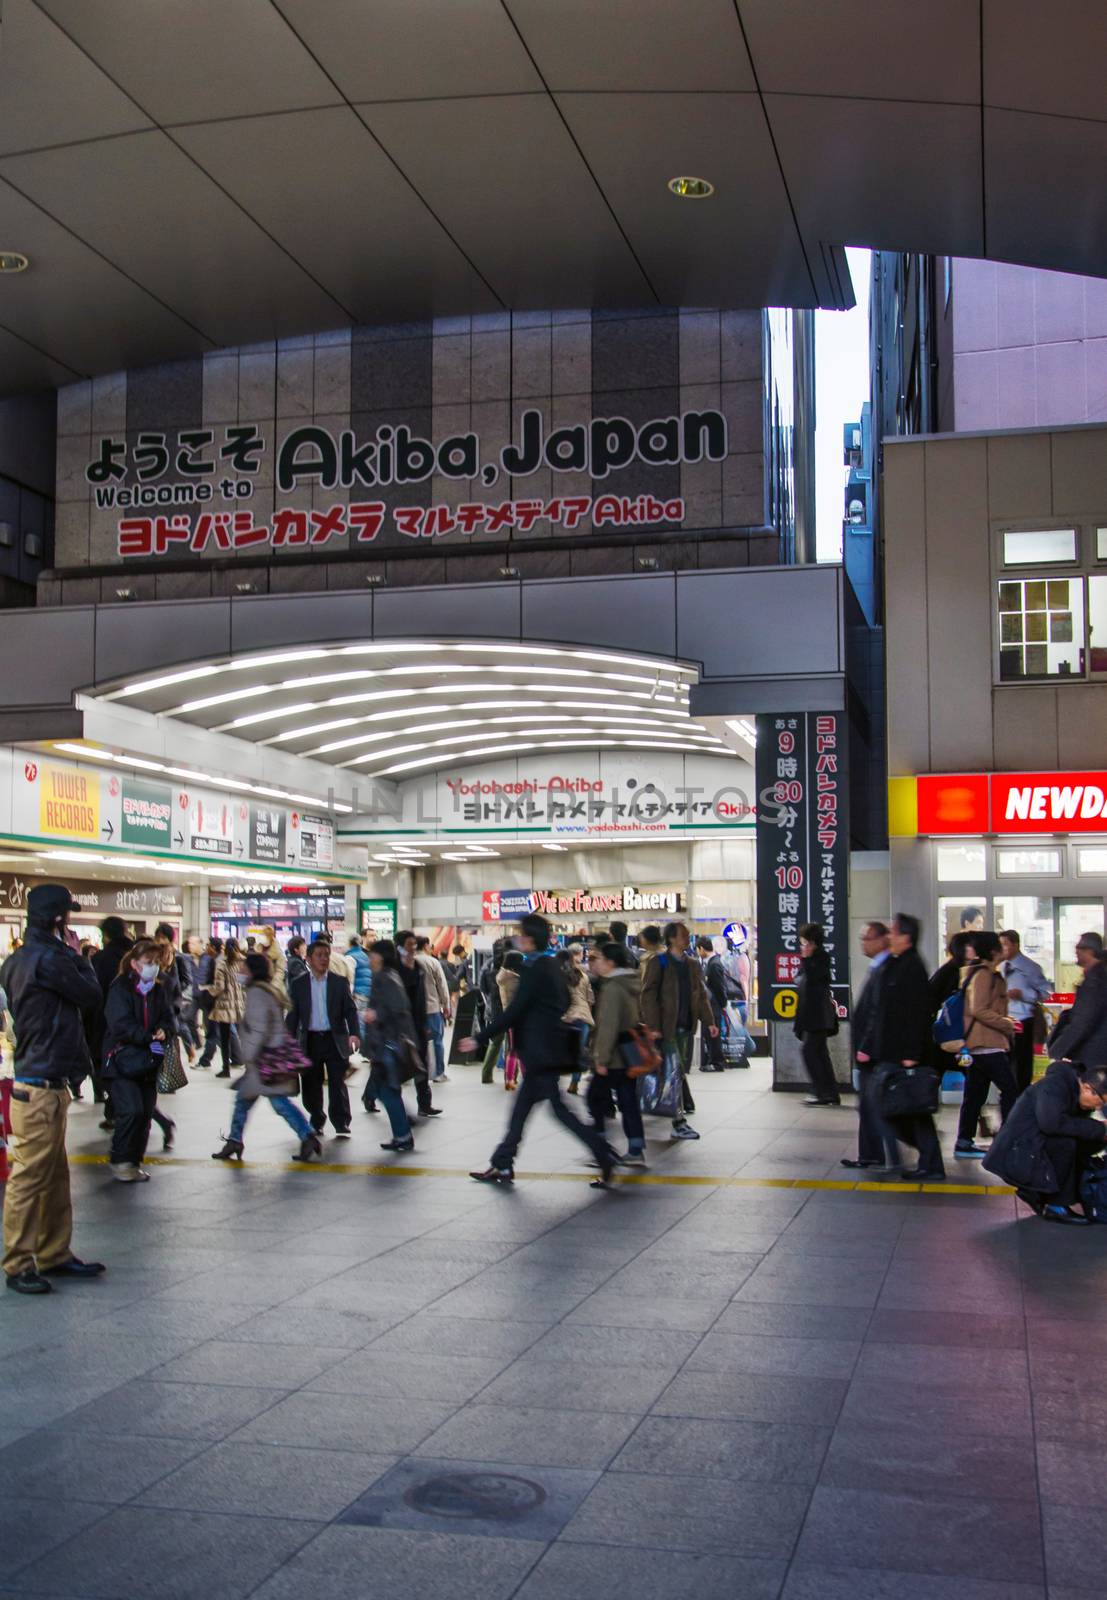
13,261
691,188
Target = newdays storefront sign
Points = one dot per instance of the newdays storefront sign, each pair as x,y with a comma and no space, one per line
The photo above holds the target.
1017,803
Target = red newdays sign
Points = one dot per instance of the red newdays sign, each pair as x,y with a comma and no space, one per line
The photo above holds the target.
1012,803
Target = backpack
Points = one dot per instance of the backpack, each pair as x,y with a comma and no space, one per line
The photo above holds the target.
1093,1190
949,1025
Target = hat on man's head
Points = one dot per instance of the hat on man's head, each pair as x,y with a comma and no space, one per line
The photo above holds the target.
1090,941
47,901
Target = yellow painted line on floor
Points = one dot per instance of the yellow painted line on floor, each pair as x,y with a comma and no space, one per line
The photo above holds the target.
667,1179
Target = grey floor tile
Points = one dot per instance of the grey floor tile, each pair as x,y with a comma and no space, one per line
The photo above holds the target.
346,1330
608,1309
795,1322
886,1403
742,1352
595,1572
855,1583
785,1289
1073,1419
350,1563
1071,1558
239,1364
1062,1464
755,1397
32,1528
749,1452
52,1465
934,1462
442,1337
173,1410
531,1436
581,1342
949,1536
713,1280
373,1424
268,1481
702,1515
980,1331
578,1386
943,1366
405,1377
163,1555
482,1499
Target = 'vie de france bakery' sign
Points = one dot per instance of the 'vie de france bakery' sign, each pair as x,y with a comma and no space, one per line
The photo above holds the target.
193,491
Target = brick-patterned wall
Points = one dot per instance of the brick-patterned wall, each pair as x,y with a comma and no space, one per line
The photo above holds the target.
455,375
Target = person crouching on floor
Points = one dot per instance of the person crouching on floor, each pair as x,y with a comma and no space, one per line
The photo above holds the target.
1049,1139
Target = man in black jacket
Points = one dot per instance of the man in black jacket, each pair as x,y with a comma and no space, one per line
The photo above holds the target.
106,963
324,1017
413,977
50,988
542,1041
1081,1035
1045,1144
876,1145
900,1035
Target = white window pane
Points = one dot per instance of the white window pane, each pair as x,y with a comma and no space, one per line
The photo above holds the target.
1032,920
1097,625
1092,859
1025,863
1101,544
1041,627
1039,549
961,863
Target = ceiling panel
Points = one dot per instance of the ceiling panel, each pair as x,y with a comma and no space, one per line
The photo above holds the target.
26,368
1049,158
738,248
886,49
509,184
320,183
190,59
414,49
635,44
144,205
50,91
1046,58
877,173
76,306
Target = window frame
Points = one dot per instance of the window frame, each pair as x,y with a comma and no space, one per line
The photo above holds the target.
1088,564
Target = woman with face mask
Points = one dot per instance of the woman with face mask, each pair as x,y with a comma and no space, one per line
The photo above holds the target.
139,1020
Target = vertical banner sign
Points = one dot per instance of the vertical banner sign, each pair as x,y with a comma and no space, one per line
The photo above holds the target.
267,828
802,853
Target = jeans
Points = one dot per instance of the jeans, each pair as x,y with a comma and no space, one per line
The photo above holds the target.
219,1033
988,1067
535,1087
682,1044
282,1105
436,1027
393,1102
582,1029
624,1091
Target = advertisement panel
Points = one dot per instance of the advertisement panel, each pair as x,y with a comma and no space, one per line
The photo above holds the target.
1002,803
69,804
211,825
146,811
267,831
312,840
504,905
802,853
377,918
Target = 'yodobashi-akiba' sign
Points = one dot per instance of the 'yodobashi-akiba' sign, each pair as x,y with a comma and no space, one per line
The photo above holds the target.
802,853
189,492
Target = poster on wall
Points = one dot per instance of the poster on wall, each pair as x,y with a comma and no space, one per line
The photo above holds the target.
211,825
312,840
146,811
266,833
377,918
802,853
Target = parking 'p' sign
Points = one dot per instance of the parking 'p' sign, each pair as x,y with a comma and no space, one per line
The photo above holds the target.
786,1003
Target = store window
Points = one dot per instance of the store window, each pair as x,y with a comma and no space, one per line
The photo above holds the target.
1041,628
958,915
1097,626
1039,549
1032,919
1027,863
961,863
1074,917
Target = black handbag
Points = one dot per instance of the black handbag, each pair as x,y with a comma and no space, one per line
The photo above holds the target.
908,1092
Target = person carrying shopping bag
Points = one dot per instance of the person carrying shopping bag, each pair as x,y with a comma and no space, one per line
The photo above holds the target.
390,1034
273,1063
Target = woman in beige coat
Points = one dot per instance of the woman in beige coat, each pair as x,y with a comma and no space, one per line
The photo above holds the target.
228,1005
262,1032
581,1002
988,1034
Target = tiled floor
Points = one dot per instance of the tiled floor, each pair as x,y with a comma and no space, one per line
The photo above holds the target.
345,1384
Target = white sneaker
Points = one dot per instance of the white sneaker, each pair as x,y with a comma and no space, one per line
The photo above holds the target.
442,1078
342,1133
125,1172
141,1175
684,1130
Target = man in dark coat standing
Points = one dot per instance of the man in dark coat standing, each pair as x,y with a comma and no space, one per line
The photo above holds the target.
900,1037
876,1144
50,989
106,963
1049,1138
543,1042
324,1017
1082,1033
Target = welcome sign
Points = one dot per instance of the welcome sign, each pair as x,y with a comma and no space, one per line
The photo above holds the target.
192,492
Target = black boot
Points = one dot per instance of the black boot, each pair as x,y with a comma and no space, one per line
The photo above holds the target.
309,1147
231,1151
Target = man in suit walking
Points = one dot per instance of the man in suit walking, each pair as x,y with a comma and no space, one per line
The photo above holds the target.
876,1145
324,1018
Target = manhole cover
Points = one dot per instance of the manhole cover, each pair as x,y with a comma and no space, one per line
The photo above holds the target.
476,1496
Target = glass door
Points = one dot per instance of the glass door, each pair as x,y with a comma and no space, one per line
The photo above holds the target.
1073,917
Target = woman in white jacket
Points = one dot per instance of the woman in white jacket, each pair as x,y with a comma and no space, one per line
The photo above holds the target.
262,1031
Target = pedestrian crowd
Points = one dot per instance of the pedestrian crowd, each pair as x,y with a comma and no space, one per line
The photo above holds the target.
134,1013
